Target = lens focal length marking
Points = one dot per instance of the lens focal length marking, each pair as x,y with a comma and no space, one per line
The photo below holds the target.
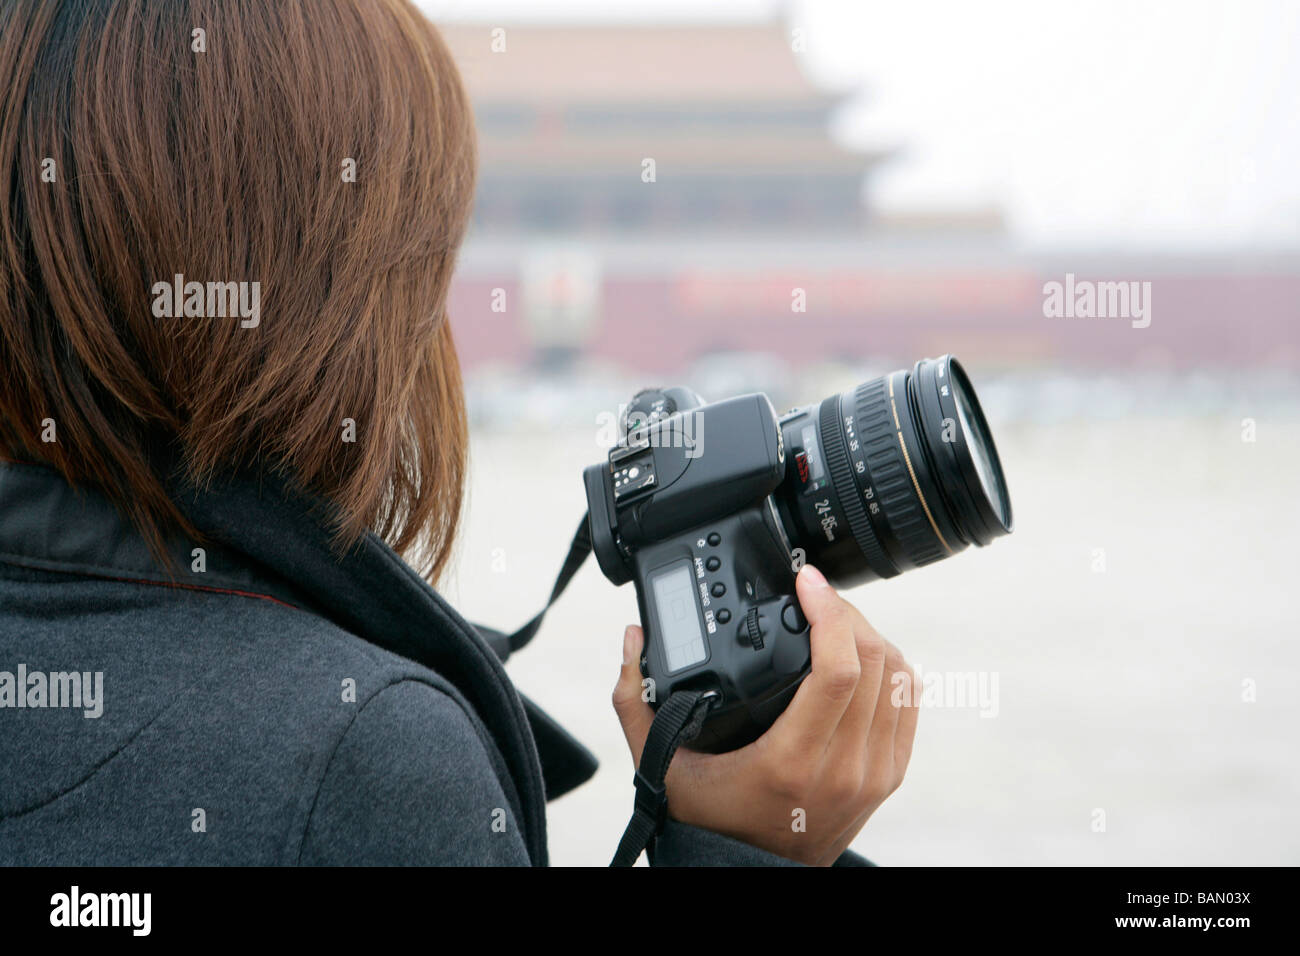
858,456
842,481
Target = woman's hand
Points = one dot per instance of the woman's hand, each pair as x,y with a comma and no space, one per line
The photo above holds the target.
806,787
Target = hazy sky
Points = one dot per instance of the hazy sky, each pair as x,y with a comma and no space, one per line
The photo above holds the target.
1157,124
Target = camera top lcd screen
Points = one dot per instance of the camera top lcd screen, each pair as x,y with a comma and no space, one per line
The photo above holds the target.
679,620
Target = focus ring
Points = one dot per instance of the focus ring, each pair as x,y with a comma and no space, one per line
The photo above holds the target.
891,479
841,472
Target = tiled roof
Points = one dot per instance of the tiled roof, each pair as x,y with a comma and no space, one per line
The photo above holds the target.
733,63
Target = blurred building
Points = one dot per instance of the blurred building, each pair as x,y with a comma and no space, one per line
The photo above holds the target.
587,130
651,195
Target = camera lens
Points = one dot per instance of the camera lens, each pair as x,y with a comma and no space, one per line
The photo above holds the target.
892,475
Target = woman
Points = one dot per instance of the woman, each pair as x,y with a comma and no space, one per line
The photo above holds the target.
230,401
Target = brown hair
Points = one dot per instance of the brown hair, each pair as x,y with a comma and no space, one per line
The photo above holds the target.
213,139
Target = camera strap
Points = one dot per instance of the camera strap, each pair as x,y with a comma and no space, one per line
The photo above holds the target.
506,644
678,720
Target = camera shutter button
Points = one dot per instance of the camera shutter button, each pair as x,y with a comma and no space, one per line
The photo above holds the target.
793,619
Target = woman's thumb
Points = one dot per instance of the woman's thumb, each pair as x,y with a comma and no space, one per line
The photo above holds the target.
633,713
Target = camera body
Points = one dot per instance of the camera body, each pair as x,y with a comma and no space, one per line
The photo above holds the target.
711,510
686,509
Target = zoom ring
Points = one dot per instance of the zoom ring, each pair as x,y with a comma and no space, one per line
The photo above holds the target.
892,485
841,472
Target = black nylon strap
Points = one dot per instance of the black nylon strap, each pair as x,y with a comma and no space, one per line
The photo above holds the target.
578,551
566,763
506,644
678,720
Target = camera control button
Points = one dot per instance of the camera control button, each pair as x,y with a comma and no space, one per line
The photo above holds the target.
724,616
718,589
715,539
793,619
751,630
713,564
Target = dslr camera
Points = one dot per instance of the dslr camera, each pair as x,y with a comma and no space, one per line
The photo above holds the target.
712,508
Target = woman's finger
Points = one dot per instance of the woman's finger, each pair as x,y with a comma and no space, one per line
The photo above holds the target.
634,714
850,740
807,725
